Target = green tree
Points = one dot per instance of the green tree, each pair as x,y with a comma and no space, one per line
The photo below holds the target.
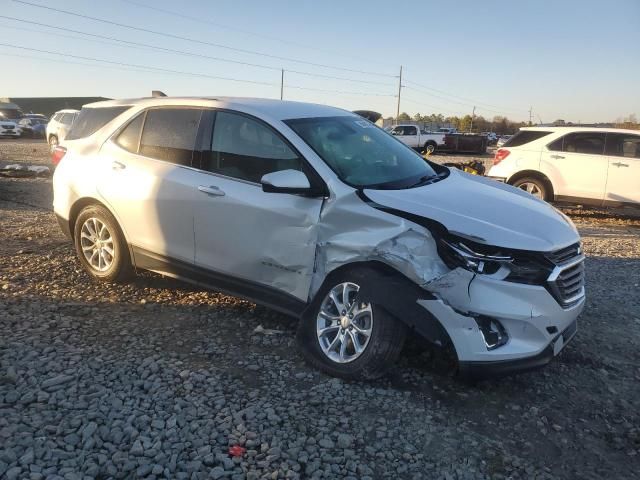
404,117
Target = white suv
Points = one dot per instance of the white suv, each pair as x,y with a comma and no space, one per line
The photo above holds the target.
316,212
595,166
59,126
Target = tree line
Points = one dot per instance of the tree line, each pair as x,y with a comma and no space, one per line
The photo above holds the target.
499,124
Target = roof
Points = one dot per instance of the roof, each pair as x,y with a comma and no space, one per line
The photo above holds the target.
569,129
278,109
68,110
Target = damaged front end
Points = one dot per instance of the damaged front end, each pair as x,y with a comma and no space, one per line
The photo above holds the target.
494,305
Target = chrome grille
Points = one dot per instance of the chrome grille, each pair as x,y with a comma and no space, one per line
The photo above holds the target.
566,281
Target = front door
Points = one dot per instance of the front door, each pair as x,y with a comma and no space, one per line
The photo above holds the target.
623,180
241,231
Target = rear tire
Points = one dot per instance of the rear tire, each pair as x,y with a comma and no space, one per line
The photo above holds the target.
534,186
100,245
379,348
430,147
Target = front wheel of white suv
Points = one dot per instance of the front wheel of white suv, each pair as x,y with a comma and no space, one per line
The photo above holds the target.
346,337
101,246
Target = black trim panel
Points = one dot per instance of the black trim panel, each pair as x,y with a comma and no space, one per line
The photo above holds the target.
252,291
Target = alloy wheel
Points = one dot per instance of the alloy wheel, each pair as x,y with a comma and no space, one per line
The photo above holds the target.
97,244
344,325
531,188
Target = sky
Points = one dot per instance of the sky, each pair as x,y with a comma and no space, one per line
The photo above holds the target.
577,60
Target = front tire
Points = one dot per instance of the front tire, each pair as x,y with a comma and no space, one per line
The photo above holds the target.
534,186
100,245
346,337
429,147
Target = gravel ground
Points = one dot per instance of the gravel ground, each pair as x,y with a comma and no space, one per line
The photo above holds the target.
156,379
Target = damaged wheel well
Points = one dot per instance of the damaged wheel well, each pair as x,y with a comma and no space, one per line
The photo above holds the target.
389,289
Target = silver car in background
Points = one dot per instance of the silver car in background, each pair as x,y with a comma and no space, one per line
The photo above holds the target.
59,126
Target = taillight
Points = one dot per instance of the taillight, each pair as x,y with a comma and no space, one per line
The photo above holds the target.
500,155
57,154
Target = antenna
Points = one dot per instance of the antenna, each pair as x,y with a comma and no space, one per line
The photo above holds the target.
157,93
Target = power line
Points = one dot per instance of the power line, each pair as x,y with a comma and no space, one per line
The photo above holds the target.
202,42
230,79
182,52
430,106
468,101
180,72
246,32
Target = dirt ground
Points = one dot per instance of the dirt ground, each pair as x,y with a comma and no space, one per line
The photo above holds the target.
156,379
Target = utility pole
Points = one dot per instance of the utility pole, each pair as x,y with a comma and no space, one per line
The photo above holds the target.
530,115
473,114
399,92
282,85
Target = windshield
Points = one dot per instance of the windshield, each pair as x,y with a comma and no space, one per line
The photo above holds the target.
361,154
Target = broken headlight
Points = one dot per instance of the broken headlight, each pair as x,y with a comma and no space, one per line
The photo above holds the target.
518,266
456,252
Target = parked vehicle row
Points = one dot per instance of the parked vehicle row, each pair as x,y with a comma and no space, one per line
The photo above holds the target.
574,164
361,239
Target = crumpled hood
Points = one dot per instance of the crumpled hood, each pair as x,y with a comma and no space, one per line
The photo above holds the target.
486,211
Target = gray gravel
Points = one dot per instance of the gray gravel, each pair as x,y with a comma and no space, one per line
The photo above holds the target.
155,379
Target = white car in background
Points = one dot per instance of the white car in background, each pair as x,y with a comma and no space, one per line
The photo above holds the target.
594,166
9,129
59,126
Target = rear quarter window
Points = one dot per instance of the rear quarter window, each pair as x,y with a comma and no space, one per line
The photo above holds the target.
90,120
525,136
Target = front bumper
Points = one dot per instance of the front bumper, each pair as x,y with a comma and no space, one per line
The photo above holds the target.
537,326
10,133
500,368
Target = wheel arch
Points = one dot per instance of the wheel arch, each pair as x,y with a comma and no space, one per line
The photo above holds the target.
394,292
84,202
534,174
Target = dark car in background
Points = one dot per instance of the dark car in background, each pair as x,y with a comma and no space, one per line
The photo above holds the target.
34,126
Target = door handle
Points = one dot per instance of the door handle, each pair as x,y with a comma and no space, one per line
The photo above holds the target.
115,165
557,156
620,164
211,190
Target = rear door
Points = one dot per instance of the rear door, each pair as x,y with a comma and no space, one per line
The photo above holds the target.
623,180
241,231
577,166
146,178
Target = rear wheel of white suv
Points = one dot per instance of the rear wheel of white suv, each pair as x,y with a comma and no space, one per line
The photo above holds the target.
346,337
101,246
534,186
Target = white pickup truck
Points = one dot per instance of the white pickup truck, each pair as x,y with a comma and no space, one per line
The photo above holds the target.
417,138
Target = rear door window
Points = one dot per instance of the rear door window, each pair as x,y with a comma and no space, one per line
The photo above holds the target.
591,143
90,120
523,137
410,131
623,145
247,149
169,134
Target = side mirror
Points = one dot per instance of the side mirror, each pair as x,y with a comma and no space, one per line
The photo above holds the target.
286,181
